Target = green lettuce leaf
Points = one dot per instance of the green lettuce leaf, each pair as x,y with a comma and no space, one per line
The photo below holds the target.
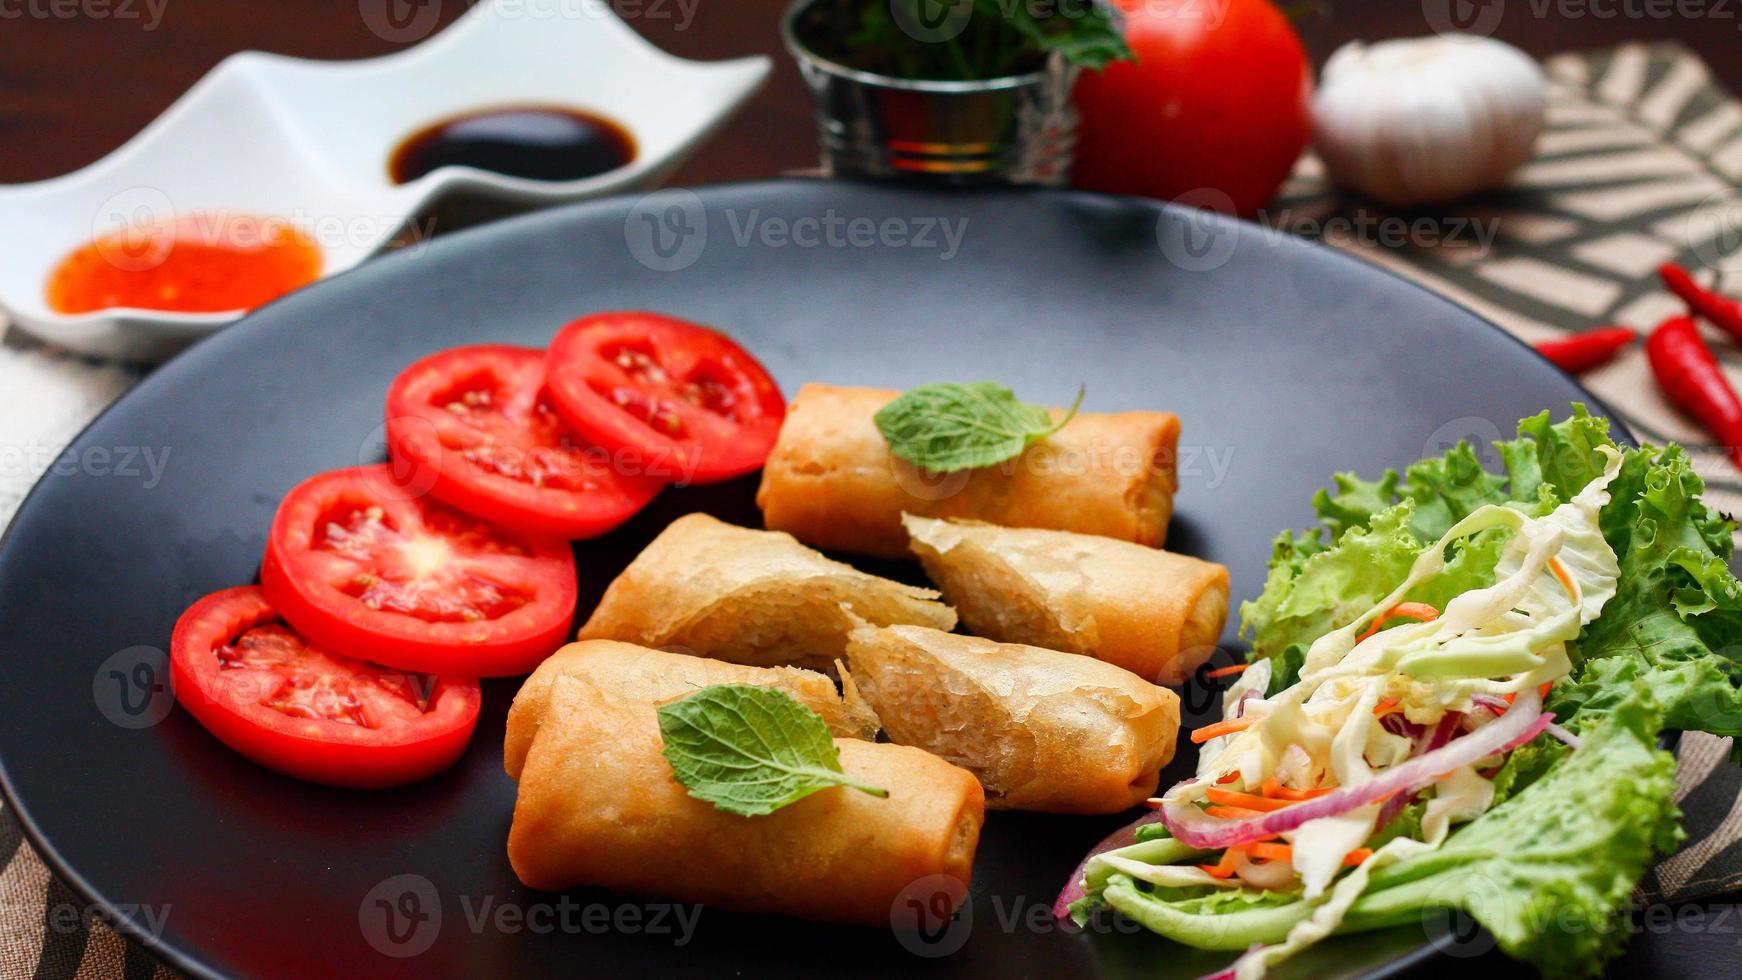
1673,628
1675,624
1547,872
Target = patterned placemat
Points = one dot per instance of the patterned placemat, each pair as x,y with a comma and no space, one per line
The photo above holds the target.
1641,165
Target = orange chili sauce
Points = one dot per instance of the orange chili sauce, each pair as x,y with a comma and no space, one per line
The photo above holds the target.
201,264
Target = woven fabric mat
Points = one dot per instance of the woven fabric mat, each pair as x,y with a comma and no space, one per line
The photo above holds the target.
1642,164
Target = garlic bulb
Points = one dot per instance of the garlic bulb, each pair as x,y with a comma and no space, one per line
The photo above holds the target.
1427,120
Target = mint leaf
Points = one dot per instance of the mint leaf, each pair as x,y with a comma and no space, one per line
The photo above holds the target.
948,427
1083,35
750,750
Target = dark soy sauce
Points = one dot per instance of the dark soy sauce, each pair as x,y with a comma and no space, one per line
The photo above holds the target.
535,142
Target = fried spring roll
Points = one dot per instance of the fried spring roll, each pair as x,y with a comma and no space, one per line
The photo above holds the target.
598,806
832,483
1041,729
1155,613
751,597
633,673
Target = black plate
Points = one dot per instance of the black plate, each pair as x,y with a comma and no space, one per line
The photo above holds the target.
1284,360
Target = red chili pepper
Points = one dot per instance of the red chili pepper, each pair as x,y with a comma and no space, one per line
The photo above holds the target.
1689,374
1587,350
1723,311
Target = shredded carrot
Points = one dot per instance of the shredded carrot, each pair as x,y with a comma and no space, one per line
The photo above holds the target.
1270,852
1222,868
1566,580
1226,671
1228,777
1275,790
1227,726
1420,611
1232,812
1541,692
1246,800
1386,707
1283,852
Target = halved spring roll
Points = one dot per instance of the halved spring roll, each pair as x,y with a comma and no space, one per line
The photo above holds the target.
751,597
832,482
1041,729
598,806
633,673
1155,613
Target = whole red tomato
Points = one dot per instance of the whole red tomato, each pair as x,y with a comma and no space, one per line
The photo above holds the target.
1217,100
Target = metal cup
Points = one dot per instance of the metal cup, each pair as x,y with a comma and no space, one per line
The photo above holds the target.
1021,129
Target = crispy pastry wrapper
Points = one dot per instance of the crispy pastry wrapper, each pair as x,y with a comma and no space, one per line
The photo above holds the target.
751,597
599,806
633,673
1155,613
1042,729
832,483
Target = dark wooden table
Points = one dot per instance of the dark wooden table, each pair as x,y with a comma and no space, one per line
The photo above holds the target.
74,85
72,88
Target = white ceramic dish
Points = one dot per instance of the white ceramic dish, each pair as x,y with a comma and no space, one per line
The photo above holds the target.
309,142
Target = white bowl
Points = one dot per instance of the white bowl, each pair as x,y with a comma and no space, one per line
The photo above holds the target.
309,142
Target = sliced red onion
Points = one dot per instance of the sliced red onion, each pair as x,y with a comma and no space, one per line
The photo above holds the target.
1240,705
1394,805
1449,724
1232,970
1123,837
1523,722
1499,706
1562,734
1400,726
1492,703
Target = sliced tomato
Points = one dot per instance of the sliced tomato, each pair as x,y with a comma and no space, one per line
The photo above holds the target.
364,566
480,419
264,690
687,402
